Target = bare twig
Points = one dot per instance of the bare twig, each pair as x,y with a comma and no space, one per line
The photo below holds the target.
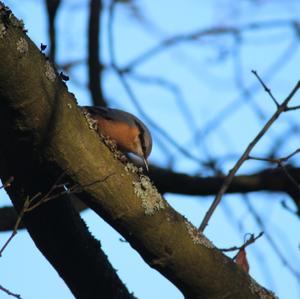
14,232
245,156
278,160
31,204
8,292
48,196
174,89
266,88
73,189
250,240
292,108
234,105
280,163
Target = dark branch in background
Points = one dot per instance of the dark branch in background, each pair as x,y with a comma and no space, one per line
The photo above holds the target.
247,95
272,179
95,67
46,139
202,33
246,92
174,89
122,77
281,108
293,192
52,6
167,181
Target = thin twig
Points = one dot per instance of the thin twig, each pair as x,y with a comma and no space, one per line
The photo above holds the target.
251,240
73,189
292,108
15,230
233,106
266,88
8,292
29,204
280,163
245,156
275,160
174,89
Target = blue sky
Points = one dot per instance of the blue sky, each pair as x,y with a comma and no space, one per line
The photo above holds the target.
206,73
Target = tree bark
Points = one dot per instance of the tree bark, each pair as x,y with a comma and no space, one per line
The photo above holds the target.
56,228
49,135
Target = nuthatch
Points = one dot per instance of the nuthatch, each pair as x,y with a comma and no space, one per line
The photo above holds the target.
130,134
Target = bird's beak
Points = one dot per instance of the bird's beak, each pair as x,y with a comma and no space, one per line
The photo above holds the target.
146,164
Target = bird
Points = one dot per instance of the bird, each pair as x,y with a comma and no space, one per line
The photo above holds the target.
130,133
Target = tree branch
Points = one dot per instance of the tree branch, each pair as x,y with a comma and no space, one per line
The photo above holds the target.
45,134
168,181
30,93
95,67
281,108
52,7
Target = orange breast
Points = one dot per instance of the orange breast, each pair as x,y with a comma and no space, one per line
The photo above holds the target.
123,134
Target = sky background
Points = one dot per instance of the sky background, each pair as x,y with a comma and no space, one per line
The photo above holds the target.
212,74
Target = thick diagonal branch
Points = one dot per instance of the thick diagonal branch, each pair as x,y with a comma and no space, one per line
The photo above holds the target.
26,77
48,130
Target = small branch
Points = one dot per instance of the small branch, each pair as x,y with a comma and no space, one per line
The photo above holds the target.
292,108
273,160
95,67
245,156
52,8
173,88
246,96
251,240
14,232
29,204
280,163
8,292
268,90
73,189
